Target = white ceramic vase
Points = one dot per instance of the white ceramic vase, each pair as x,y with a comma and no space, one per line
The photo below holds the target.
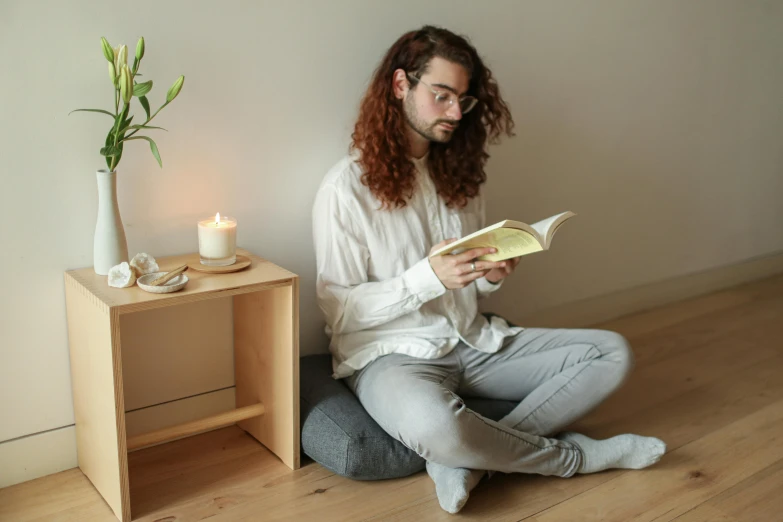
110,247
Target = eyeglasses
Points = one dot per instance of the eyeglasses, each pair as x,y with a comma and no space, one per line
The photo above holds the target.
444,99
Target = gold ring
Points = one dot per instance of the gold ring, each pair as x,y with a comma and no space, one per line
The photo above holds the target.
473,267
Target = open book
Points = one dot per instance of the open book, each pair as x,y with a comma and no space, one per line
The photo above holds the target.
510,238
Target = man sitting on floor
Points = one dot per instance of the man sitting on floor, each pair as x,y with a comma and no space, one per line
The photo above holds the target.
405,329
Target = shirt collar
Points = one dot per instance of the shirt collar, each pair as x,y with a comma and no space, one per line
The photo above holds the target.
421,163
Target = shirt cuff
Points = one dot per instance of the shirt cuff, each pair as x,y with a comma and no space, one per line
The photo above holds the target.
423,282
484,287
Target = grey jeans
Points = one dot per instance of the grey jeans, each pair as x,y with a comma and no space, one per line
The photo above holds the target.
557,375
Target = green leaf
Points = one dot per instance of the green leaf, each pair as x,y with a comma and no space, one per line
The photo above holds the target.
153,146
118,157
121,118
141,89
111,150
145,127
125,126
146,104
92,110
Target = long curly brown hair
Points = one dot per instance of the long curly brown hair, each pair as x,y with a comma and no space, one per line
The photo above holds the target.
456,167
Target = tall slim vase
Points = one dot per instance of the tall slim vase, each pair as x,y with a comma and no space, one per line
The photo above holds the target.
110,246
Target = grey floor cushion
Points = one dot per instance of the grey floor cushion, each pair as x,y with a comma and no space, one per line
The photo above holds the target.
340,435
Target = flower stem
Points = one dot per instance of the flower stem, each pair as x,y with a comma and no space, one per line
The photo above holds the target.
146,122
117,135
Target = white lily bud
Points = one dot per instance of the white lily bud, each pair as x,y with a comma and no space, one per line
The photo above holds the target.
140,49
108,52
126,84
122,58
174,90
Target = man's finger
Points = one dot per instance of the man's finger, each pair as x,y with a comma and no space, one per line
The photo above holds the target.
443,244
471,276
473,253
481,266
490,265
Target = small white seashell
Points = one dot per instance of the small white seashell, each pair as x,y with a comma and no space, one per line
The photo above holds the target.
144,264
122,276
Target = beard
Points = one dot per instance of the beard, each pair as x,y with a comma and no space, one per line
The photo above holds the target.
429,131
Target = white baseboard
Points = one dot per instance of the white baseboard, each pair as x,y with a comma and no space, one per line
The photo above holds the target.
37,455
41,454
603,308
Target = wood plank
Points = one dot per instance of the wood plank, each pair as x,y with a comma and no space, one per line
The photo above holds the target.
246,486
756,498
196,426
64,495
96,376
229,463
639,325
685,477
266,361
714,354
706,513
706,329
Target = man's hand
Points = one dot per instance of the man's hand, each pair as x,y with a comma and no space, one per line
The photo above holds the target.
459,270
498,274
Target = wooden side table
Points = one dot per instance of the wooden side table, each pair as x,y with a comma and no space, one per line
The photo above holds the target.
266,362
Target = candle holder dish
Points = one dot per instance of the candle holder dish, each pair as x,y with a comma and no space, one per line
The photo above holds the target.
194,263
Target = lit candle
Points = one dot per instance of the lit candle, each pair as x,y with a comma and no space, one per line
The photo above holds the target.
217,240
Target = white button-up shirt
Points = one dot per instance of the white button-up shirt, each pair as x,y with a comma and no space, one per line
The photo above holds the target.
375,285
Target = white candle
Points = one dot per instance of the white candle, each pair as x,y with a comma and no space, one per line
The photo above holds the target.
217,240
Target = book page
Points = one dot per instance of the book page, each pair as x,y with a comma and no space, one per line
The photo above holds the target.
543,227
509,243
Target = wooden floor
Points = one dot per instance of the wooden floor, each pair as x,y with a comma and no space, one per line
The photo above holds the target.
708,381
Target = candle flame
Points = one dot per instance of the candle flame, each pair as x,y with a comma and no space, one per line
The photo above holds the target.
217,218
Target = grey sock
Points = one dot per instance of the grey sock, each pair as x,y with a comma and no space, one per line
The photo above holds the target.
453,485
623,451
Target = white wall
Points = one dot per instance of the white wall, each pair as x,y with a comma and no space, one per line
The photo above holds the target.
659,123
